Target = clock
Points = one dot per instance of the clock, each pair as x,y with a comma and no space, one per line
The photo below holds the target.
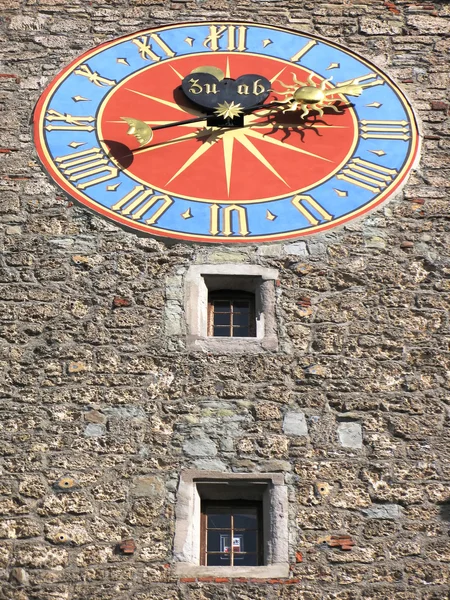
225,132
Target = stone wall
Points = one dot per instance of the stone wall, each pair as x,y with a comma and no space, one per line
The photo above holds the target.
103,405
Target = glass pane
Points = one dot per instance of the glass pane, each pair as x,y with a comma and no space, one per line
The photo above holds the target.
240,319
222,305
222,318
249,541
222,332
240,332
242,307
219,521
245,520
245,560
218,560
218,541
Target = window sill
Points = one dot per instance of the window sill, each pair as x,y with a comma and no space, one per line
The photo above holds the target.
222,345
277,571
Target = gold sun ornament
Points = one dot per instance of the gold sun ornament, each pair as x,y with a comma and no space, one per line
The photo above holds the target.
310,96
228,110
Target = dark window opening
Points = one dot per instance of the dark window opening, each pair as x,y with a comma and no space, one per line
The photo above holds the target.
231,313
231,534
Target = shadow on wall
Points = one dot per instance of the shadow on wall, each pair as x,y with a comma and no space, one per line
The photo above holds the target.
445,510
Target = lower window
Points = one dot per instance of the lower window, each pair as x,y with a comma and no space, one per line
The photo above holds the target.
231,525
231,534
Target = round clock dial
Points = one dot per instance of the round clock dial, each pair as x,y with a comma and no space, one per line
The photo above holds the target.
225,133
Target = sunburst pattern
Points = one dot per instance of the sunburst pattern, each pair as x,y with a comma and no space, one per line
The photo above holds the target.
256,126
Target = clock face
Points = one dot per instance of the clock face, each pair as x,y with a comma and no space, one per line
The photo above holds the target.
286,134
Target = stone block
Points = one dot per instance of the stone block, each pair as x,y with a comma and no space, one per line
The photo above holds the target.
294,423
383,511
350,435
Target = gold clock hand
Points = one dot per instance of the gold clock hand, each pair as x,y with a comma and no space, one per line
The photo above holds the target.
144,133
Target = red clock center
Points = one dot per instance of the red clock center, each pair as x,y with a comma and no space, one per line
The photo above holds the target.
273,155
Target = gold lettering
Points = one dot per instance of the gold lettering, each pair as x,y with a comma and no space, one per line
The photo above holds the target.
243,89
367,175
306,48
93,76
195,88
236,38
258,88
227,214
140,200
85,164
302,200
145,48
210,88
73,123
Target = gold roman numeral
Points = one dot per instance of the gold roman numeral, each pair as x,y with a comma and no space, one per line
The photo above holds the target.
303,201
234,36
367,175
73,123
139,201
385,130
226,216
145,48
306,48
85,164
94,77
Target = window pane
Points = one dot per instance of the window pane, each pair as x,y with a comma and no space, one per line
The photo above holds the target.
240,332
240,319
222,318
222,305
244,520
218,560
219,521
245,560
242,307
218,541
249,541
222,332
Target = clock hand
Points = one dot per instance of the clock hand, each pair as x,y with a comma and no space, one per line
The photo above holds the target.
144,133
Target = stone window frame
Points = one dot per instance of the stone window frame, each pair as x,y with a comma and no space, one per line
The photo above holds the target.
200,279
188,520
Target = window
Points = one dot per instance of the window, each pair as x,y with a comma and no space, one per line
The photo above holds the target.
231,525
231,314
231,534
230,308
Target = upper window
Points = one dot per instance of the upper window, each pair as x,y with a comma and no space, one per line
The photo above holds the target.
231,314
231,534
231,308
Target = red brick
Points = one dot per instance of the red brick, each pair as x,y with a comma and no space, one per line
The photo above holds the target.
439,105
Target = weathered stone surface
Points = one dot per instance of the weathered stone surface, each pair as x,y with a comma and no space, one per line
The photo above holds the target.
350,435
383,511
200,445
294,423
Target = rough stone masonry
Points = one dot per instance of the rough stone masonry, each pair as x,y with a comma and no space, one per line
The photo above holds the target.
103,405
